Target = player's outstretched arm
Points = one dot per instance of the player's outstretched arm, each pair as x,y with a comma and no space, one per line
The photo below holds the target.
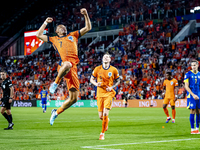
40,34
88,25
189,90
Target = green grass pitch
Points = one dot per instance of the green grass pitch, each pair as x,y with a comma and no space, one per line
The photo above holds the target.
79,129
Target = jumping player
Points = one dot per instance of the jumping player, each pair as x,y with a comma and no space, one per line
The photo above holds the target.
8,93
66,45
192,85
170,96
44,96
105,75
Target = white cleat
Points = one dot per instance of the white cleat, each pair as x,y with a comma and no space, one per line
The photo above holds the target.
53,116
53,88
101,137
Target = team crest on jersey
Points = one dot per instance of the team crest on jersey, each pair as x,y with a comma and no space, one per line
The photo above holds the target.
70,38
109,74
172,82
192,76
198,76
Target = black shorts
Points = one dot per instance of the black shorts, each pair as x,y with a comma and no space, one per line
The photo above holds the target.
7,105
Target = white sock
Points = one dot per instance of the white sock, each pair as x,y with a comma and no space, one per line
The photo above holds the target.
192,129
102,133
197,128
173,119
168,117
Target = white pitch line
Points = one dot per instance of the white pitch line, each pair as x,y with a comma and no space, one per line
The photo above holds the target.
101,146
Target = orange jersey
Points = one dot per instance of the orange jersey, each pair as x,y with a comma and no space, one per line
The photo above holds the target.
106,77
67,46
170,86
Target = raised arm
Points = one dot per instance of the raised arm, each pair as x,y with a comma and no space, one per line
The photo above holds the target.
88,25
40,34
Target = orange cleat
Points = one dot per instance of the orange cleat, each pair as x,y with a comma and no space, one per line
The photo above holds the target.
195,132
101,137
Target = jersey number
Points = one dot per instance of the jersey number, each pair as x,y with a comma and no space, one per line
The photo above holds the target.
195,81
4,86
60,44
43,95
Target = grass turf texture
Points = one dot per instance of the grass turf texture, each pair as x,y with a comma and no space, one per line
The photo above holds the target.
79,127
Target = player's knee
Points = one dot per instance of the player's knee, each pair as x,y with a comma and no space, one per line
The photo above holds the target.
67,66
2,112
164,106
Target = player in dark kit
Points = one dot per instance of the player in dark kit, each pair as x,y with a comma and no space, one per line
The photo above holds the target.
6,101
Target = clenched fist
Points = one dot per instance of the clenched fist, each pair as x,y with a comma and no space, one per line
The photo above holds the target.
49,20
83,11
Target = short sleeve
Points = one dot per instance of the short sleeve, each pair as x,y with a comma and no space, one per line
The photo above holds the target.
94,73
51,39
9,84
77,34
116,74
186,78
175,83
164,83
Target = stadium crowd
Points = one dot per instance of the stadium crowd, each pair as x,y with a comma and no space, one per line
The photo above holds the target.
113,12
142,70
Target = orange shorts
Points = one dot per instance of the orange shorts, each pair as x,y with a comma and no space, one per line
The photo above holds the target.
71,78
104,102
167,100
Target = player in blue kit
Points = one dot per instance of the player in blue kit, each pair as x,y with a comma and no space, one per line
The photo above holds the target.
44,95
192,85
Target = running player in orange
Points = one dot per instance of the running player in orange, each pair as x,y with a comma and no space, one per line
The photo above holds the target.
170,96
105,75
66,45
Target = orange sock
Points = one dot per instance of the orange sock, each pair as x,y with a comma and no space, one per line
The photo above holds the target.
104,124
166,112
173,113
59,110
58,79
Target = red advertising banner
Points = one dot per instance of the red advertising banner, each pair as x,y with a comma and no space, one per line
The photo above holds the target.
31,42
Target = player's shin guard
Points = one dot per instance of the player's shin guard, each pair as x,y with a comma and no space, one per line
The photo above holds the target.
59,111
10,116
192,121
173,113
197,121
166,112
7,117
104,124
45,107
58,79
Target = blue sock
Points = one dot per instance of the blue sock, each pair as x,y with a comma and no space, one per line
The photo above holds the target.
192,121
42,106
45,107
197,120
